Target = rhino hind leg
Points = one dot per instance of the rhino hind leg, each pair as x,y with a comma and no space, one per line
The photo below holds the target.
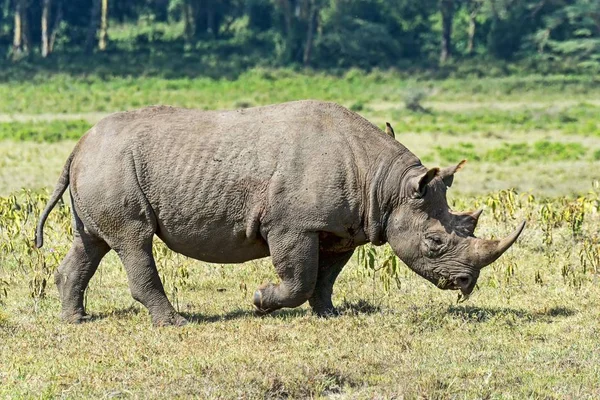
295,257
74,274
145,284
330,266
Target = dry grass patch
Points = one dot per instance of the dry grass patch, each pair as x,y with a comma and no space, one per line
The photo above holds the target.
529,331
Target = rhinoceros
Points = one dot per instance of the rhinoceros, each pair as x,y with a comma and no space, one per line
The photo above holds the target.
304,182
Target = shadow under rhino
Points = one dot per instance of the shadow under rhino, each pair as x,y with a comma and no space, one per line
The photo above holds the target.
483,314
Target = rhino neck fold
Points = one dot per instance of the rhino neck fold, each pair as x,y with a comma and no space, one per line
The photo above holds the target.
386,188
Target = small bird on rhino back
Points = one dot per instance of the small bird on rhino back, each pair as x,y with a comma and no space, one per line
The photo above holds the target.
304,182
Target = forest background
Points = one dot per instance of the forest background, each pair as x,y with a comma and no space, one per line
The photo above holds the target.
228,36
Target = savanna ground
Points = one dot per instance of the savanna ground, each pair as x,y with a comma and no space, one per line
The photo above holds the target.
530,330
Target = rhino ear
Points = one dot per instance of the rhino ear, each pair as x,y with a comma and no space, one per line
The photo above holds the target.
447,174
423,181
389,130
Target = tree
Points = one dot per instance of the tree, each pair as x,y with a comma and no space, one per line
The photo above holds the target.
289,29
20,44
93,25
203,18
510,24
447,11
103,26
45,37
55,26
572,32
189,20
313,22
49,32
473,8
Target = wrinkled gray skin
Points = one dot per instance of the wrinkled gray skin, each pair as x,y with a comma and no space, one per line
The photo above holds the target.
305,182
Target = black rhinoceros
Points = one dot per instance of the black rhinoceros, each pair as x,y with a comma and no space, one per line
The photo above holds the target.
305,182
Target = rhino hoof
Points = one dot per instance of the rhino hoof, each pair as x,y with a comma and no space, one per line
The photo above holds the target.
257,300
175,320
180,321
75,318
329,313
260,313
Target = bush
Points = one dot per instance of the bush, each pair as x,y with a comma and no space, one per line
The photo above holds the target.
413,97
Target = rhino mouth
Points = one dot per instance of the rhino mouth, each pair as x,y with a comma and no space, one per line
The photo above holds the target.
465,283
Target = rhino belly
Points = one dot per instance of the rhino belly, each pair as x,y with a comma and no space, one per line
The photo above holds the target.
212,241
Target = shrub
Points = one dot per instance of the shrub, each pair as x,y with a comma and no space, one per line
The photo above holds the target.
413,97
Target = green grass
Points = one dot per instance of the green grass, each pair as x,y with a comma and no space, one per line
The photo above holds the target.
579,119
536,306
65,93
514,152
48,131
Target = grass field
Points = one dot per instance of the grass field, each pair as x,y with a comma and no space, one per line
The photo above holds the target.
507,127
530,330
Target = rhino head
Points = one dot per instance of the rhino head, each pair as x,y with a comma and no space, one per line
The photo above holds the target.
436,242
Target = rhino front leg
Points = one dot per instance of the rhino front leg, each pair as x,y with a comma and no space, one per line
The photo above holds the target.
146,287
330,266
295,256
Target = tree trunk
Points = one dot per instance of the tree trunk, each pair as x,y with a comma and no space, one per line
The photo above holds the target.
189,21
312,21
211,27
93,26
20,37
474,8
18,31
45,36
447,10
471,33
55,26
289,28
103,26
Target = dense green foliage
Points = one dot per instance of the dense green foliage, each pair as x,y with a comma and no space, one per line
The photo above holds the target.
220,36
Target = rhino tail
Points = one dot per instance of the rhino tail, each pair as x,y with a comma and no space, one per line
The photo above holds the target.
59,190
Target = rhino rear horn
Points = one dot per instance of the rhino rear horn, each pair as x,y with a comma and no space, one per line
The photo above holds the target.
467,222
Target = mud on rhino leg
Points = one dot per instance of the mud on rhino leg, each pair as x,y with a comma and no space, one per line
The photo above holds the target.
330,266
74,274
295,256
145,284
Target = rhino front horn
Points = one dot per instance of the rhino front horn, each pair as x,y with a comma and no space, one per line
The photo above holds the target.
486,252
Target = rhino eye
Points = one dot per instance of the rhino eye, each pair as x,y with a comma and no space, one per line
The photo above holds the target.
420,194
433,245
